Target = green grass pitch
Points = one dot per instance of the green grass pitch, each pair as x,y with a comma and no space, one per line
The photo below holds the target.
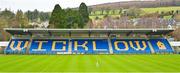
89,63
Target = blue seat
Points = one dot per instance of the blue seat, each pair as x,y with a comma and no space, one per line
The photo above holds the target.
101,46
47,46
13,48
141,47
93,46
161,45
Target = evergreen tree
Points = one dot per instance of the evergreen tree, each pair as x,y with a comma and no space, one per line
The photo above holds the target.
44,16
35,15
57,17
29,15
21,19
70,17
84,14
7,14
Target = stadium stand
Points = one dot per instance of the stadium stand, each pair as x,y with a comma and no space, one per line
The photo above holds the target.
130,46
88,45
17,46
48,46
161,46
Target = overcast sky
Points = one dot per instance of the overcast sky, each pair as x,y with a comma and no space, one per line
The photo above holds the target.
47,5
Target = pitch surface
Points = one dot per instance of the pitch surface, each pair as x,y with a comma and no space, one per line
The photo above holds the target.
89,63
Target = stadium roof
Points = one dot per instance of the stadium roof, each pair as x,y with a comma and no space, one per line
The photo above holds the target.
26,31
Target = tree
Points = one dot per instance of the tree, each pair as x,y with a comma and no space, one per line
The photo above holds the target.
113,12
71,18
21,19
7,14
24,22
3,23
35,15
32,16
124,13
90,10
101,11
29,15
94,12
120,10
6,17
105,16
57,17
84,15
68,18
44,16
134,12
107,10
19,15
96,18
177,11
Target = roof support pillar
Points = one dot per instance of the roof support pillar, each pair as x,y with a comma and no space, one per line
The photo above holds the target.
70,34
89,34
50,33
108,34
128,33
30,34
